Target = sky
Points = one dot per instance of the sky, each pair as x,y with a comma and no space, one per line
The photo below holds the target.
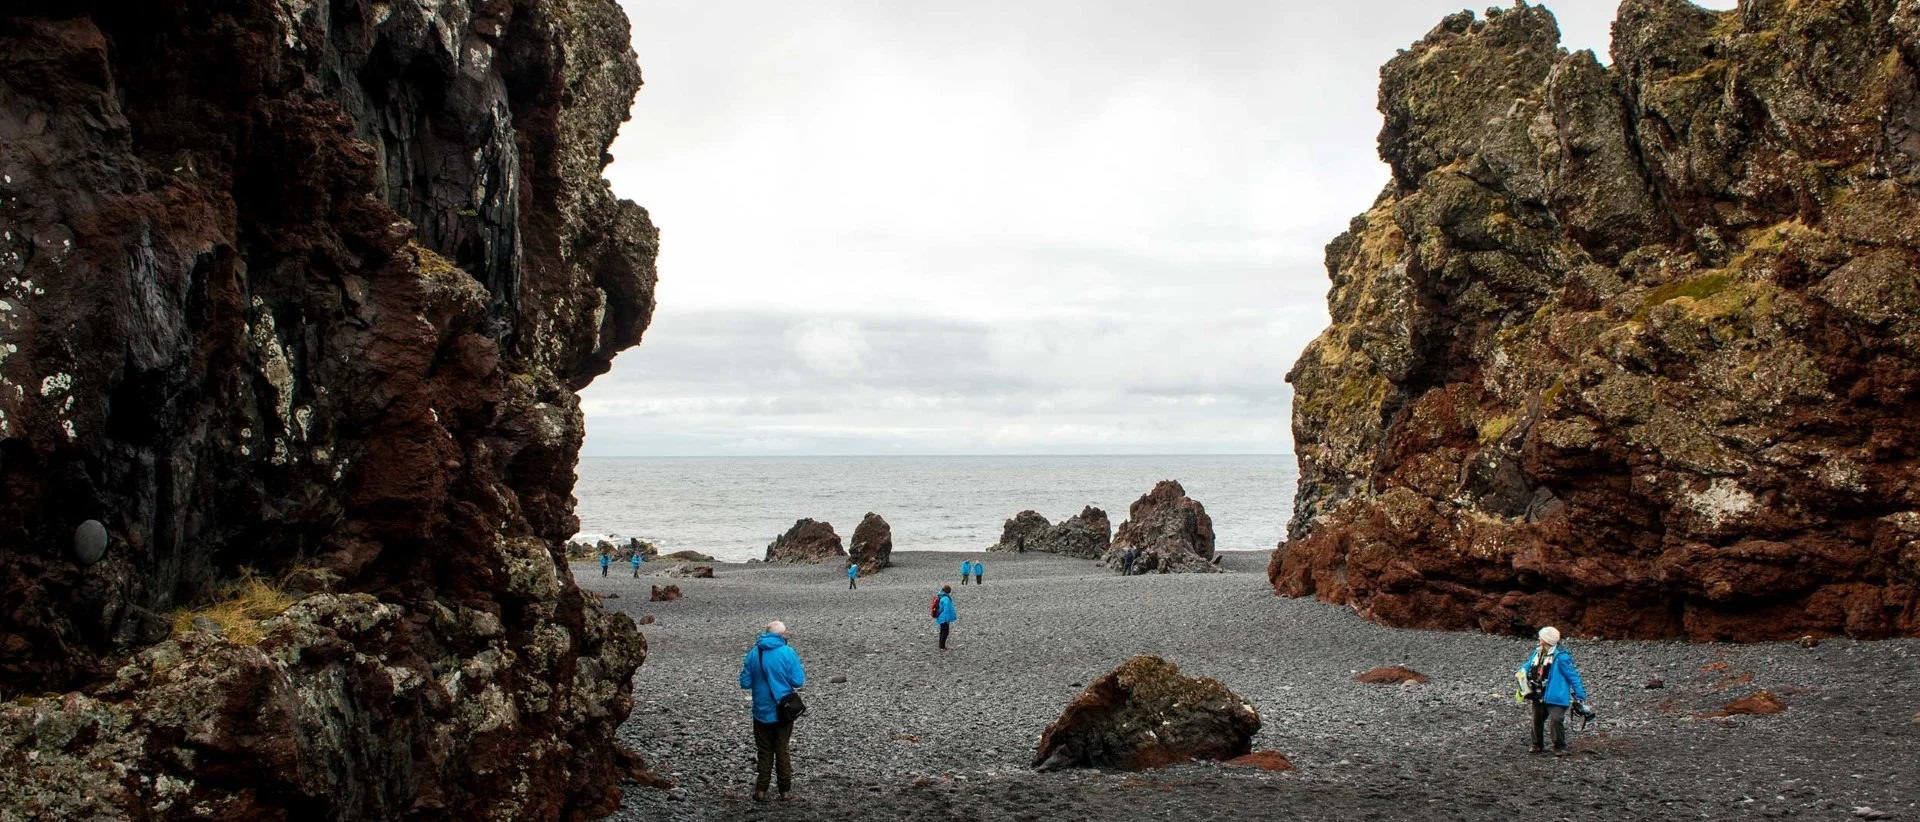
995,227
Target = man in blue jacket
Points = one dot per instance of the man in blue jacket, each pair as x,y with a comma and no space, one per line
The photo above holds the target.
1549,680
605,561
771,671
966,571
853,575
943,613
636,564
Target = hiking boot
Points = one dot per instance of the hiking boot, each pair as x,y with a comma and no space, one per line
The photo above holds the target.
759,796
1534,749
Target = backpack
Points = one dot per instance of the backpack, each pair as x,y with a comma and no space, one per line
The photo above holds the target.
934,609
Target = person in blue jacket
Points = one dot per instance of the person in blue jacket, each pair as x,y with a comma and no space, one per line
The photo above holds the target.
966,571
853,575
636,564
772,670
943,613
979,573
1549,680
606,561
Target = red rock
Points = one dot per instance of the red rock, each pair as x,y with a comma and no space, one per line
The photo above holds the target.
872,544
1264,760
1145,714
807,541
1391,675
1758,703
665,593
1168,530
645,620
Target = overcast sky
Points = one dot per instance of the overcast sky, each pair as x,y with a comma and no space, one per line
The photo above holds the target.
1029,227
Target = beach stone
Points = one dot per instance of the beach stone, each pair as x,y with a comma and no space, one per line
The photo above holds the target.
1655,684
836,680
665,593
688,572
685,556
1272,761
1809,642
1391,675
1758,703
645,620
1145,714
1169,530
872,544
807,541
90,542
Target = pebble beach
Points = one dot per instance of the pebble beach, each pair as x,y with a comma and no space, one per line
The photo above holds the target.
897,729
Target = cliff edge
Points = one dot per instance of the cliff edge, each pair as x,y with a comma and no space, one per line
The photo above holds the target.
295,298
1632,350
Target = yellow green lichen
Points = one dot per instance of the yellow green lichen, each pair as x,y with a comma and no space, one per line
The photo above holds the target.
1492,430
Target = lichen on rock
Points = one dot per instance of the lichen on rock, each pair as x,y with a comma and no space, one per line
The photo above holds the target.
1627,349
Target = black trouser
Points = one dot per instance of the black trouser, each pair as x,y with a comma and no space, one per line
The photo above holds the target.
943,634
771,744
850,583
980,578
603,570
1544,715
636,572
963,579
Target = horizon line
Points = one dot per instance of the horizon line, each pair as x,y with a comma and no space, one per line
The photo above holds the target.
916,456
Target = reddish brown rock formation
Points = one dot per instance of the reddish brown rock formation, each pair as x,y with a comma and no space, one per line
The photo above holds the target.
664,593
872,544
1145,714
1169,530
806,541
1758,703
1628,350
305,290
1272,761
1391,675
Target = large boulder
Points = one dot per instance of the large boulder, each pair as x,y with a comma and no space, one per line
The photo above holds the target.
1169,531
1086,535
807,541
1630,349
1145,714
872,544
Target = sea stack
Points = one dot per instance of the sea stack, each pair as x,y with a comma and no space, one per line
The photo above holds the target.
807,541
1631,349
1168,531
872,544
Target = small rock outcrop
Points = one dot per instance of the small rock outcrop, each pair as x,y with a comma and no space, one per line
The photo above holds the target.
681,570
685,556
1145,714
1271,761
664,593
1758,703
1633,350
872,544
1391,675
1024,529
1086,535
1169,532
807,541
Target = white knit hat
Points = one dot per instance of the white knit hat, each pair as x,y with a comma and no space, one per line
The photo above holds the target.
1550,635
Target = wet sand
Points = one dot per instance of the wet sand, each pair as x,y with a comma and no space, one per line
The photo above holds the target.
914,733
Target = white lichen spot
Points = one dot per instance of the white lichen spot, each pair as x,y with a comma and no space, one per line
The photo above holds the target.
322,455
67,426
1723,501
245,451
302,419
5,306
279,452
56,384
246,433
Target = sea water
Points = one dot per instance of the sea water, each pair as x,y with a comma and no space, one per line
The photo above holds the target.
731,507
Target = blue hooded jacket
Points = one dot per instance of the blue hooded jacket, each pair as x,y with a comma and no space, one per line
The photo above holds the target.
605,560
946,610
781,675
966,569
637,560
853,571
1563,681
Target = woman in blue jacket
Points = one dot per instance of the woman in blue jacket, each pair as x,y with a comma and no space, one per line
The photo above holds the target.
966,571
771,671
1549,680
943,613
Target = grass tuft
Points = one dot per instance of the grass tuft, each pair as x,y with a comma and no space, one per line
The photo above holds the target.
244,604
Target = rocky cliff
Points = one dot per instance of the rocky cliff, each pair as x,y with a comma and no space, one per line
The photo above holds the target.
1633,350
300,293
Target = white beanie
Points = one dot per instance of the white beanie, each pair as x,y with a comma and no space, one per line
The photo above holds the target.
1550,635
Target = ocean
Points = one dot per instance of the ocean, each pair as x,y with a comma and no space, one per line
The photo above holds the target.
731,507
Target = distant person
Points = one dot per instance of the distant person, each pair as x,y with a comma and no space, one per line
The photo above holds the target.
636,564
770,671
606,561
1549,680
853,575
1126,562
979,573
943,613
966,571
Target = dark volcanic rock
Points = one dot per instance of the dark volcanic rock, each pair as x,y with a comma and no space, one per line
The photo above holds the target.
806,541
1170,531
872,544
305,290
686,571
685,556
1628,350
1086,535
664,593
1144,714
1391,675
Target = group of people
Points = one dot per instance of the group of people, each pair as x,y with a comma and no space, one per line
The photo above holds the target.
772,670
976,570
606,562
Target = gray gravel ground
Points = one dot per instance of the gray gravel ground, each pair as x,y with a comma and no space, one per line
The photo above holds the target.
914,733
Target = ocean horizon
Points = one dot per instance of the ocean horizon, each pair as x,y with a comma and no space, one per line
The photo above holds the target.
731,507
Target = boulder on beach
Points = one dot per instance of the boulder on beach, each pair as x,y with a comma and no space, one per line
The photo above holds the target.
1145,714
1391,675
620,550
1263,760
664,593
1169,531
1085,535
872,544
1758,703
807,541
685,556
686,571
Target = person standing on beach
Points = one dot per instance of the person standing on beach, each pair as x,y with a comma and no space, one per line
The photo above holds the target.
771,671
1126,562
853,575
966,570
606,561
636,564
943,613
979,573
1549,680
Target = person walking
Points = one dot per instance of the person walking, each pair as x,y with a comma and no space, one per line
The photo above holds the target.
943,613
966,570
606,561
636,564
853,575
1549,680
1126,562
979,573
771,671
